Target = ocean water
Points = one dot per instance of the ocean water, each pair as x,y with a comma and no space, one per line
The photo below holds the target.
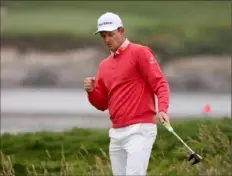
36,109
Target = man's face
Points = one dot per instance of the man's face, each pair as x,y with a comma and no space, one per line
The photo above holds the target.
113,39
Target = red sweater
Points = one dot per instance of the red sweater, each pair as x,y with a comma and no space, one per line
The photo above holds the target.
126,85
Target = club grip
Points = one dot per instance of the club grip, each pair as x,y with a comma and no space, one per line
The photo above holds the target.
168,127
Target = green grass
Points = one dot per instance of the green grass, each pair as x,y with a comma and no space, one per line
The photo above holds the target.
85,151
170,28
80,17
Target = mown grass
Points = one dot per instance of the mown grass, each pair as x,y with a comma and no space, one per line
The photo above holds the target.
79,17
85,151
170,28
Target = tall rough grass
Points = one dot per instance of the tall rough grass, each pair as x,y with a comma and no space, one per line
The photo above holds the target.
213,142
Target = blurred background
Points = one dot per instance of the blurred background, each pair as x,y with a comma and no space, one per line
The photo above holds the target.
48,48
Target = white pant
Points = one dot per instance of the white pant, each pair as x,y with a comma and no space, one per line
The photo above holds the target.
130,148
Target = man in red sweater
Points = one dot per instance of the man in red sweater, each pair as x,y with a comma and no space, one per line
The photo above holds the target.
126,84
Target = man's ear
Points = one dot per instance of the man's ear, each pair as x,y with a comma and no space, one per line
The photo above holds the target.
122,30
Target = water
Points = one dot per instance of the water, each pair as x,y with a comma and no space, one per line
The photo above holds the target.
57,109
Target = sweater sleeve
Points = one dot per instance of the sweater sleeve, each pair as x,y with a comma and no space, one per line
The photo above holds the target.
152,73
98,97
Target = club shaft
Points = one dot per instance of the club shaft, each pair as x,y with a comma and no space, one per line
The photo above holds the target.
182,141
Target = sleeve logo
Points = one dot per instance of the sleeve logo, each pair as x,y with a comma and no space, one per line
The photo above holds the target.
152,60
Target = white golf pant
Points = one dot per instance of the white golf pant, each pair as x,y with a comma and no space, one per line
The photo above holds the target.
130,148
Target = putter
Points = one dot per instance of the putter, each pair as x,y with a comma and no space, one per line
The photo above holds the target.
197,158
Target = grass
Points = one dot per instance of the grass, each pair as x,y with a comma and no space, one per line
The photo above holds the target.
85,151
79,17
170,28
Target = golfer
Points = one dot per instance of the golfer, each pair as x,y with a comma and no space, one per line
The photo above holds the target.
126,84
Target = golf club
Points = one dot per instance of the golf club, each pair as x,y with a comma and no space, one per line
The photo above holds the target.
197,158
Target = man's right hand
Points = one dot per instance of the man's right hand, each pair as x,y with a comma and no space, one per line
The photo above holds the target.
89,84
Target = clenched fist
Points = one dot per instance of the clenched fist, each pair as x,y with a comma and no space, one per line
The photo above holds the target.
89,84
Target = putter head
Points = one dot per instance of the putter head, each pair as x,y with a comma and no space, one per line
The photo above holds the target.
197,158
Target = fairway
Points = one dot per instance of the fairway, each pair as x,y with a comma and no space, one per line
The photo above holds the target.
170,28
79,18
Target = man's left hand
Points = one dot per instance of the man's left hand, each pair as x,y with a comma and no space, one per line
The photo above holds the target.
163,117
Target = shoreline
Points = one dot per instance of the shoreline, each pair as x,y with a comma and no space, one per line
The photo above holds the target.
14,125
